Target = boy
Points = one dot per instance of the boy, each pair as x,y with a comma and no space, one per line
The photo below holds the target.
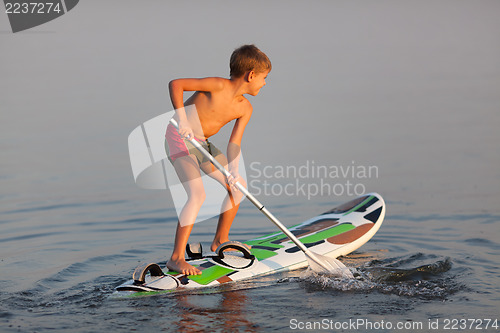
216,102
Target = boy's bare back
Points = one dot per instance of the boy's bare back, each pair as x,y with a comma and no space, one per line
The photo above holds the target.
217,101
216,108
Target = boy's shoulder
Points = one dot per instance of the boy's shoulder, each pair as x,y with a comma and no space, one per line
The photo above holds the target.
246,107
223,84
220,85
214,83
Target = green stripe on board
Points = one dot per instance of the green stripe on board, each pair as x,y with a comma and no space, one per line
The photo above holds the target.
267,242
360,205
274,235
328,233
210,274
149,293
267,238
262,254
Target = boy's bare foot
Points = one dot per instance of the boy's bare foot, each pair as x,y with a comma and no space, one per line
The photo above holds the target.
181,266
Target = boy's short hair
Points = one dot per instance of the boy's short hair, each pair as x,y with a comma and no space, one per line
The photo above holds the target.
247,58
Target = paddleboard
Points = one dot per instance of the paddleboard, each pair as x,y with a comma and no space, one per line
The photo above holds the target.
334,233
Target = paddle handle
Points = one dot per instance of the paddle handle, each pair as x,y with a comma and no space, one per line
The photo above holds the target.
250,197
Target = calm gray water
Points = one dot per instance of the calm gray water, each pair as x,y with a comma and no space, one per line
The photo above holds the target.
408,88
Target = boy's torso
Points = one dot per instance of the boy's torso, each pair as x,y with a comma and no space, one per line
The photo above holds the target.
214,110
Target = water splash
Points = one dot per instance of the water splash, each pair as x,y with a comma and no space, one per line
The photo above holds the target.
428,281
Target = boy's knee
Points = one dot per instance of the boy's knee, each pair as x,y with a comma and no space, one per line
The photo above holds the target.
198,197
237,193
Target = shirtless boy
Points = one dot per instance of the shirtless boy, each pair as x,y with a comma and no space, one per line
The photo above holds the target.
216,102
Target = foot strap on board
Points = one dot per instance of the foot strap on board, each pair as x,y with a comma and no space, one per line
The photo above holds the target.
241,260
194,251
238,246
141,271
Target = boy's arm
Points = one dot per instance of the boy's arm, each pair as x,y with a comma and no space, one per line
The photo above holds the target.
179,86
234,145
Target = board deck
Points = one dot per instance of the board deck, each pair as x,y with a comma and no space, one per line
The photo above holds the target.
334,233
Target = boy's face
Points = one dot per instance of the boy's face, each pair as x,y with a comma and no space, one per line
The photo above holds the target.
257,82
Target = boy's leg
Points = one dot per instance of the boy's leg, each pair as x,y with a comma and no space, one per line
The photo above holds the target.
230,204
189,174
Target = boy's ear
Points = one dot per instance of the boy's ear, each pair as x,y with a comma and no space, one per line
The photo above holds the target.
250,76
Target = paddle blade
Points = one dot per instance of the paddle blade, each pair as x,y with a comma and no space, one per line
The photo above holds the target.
329,266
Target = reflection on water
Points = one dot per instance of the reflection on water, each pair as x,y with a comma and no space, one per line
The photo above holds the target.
225,311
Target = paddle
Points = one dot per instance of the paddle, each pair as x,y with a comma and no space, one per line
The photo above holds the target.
317,262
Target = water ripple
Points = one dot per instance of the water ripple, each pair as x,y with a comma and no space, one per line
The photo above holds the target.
30,236
427,281
62,206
